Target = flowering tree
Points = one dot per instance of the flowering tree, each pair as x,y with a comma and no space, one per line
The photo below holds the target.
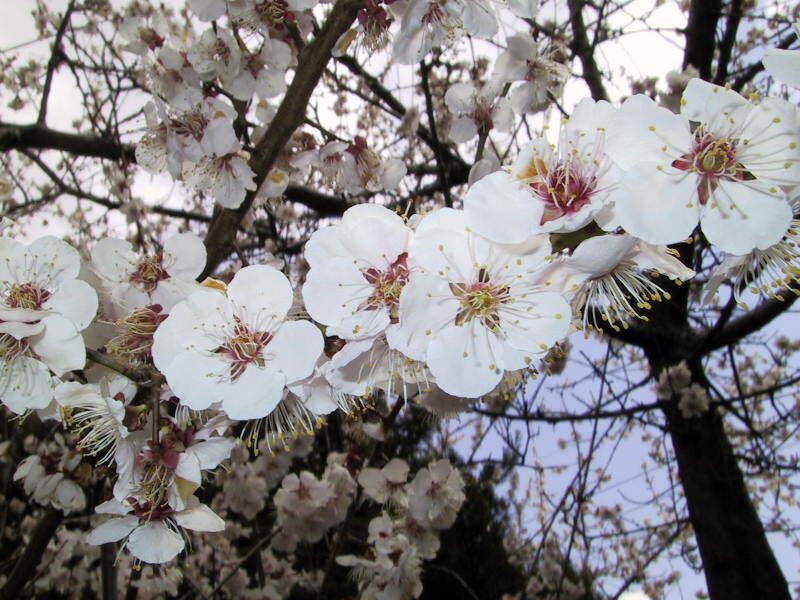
291,298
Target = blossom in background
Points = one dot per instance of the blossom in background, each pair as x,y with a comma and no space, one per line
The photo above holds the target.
476,111
725,173
425,24
386,485
164,279
475,310
542,77
436,494
236,347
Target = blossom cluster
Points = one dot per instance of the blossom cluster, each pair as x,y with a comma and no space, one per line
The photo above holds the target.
443,308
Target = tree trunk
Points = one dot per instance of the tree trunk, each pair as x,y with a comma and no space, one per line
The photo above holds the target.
737,559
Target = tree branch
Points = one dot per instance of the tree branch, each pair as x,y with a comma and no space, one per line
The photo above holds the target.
291,112
749,323
40,137
728,39
701,35
52,64
581,48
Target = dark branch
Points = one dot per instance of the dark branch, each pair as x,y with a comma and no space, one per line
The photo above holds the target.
39,137
728,39
701,35
581,48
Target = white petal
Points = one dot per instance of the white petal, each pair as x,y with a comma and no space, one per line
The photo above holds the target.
373,234
783,65
188,468
155,543
658,206
114,259
295,349
334,289
196,323
460,98
59,346
255,394
25,384
184,256
213,451
462,129
112,530
196,378
500,208
262,296
704,101
464,359
642,129
76,300
740,217
199,518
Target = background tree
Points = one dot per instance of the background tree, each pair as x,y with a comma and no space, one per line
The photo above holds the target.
701,393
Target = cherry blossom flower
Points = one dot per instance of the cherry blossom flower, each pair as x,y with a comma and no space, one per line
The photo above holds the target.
385,485
436,494
262,73
164,279
425,24
358,269
43,309
542,77
96,412
475,310
393,568
143,33
727,173
476,111
50,481
610,276
215,54
152,534
236,347
549,189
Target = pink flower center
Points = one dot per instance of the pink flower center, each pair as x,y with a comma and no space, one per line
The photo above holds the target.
482,114
387,286
149,273
27,295
712,159
564,190
480,300
435,15
243,348
193,124
273,13
375,21
150,38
